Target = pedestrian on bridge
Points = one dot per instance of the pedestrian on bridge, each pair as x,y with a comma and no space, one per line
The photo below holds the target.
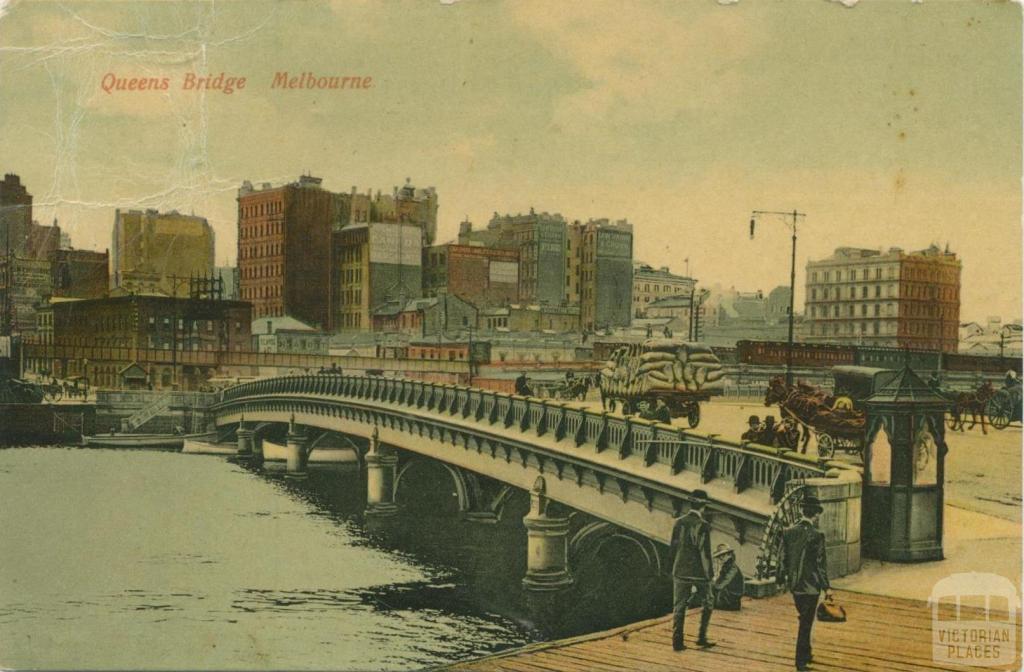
804,569
728,580
692,570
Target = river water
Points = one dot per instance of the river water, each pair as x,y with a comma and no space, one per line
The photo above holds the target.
143,560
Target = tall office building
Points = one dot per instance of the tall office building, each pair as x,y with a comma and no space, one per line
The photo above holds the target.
374,263
284,249
604,270
895,298
156,252
540,239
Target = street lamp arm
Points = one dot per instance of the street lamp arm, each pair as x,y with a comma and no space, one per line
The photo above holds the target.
795,215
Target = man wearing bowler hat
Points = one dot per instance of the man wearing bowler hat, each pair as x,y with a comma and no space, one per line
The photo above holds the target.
804,569
692,569
753,432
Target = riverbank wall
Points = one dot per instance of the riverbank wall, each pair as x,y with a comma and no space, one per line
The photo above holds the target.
44,424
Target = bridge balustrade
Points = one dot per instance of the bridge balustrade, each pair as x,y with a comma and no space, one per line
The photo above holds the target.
657,444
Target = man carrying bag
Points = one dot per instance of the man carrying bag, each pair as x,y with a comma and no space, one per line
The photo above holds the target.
805,572
692,569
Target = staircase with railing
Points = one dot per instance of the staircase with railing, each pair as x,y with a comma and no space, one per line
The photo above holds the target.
161,404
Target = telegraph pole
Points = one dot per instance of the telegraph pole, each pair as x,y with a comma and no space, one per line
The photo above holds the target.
790,219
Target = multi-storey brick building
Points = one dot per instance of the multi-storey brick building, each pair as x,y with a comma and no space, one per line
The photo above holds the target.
373,263
518,317
24,285
111,333
652,284
42,242
15,214
896,298
80,274
407,205
484,276
154,251
541,240
604,271
284,249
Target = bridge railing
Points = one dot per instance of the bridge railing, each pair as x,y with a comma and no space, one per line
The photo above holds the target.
745,465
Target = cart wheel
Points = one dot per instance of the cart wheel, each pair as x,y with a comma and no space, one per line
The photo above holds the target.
826,445
693,416
998,411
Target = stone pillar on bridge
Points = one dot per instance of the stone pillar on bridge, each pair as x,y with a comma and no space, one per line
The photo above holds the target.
295,456
381,469
256,459
547,561
245,439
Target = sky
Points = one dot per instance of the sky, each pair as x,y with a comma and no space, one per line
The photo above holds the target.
890,123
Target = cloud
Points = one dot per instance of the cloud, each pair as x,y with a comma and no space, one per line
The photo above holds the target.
642,62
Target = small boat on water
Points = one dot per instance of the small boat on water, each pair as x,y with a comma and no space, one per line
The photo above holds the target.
169,442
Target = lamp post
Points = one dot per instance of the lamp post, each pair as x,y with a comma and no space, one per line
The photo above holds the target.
791,219
176,282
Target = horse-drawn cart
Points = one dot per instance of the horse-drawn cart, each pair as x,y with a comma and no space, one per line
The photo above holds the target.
1004,407
680,373
837,420
680,404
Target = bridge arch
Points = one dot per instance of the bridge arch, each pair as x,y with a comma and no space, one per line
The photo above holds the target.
592,537
461,482
357,450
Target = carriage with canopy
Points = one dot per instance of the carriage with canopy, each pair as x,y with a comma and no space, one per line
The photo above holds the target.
836,420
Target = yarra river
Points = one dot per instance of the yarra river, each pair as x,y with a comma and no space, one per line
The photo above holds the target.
142,560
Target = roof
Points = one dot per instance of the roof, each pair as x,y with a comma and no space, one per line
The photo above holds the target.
271,325
132,368
677,301
906,387
395,307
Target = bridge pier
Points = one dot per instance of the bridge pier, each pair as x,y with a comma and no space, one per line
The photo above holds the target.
245,441
256,459
547,545
381,470
297,443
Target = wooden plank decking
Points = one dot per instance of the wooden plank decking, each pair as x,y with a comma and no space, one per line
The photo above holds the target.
882,634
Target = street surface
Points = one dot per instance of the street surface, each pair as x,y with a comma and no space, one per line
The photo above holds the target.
983,471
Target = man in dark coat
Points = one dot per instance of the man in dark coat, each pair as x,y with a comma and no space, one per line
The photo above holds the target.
805,572
753,432
728,581
523,387
690,551
661,412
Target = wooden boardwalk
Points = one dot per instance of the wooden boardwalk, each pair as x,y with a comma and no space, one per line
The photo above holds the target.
882,634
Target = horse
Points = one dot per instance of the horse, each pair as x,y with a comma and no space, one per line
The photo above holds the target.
810,407
795,404
973,403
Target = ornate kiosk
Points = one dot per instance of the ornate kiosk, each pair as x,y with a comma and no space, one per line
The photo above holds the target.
905,450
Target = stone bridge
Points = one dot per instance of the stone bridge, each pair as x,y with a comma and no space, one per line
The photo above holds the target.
632,476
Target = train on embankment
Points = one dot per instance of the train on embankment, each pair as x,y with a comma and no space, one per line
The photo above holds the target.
823,356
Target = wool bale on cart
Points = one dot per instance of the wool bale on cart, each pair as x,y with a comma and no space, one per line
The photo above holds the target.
680,373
